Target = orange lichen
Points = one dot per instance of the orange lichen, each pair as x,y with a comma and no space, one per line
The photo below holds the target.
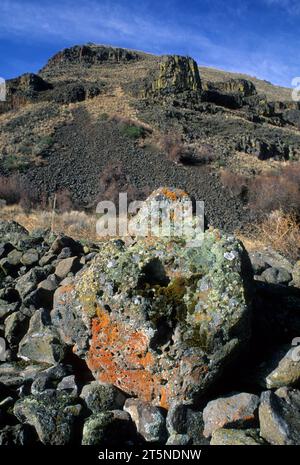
120,356
171,195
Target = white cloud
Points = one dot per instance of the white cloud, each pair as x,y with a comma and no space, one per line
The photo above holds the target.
108,22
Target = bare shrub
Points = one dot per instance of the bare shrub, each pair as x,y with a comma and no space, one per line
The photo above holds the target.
281,231
270,192
114,180
10,189
64,201
237,184
175,149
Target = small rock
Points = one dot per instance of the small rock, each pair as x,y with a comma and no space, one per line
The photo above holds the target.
66,266
64,241
15,374
50,415
236,437
42,342
50,378
47,259
276,276
15,328
14,257
258,262
30,257
238,410
178,440
281,369
7,309
18,435
68,384
108,428
279,421
66,252
30,280
99,397
150,421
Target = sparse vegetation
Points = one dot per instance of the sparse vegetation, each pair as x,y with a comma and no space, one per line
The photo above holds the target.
281,231
129,128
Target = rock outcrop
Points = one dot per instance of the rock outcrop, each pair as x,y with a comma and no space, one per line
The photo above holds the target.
176,74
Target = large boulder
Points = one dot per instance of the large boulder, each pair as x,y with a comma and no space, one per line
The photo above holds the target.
176,74
156,318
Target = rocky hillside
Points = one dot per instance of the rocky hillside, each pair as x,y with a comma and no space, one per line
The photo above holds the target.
94,107
146,341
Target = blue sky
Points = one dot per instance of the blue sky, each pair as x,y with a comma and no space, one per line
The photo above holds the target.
257,37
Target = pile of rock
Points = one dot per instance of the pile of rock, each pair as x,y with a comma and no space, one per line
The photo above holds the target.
145,341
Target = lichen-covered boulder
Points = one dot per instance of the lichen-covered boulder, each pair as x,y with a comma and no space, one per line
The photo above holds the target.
176,74
156,318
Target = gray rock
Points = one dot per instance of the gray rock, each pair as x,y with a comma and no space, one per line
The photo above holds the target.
30,257
30,280
52,415
62,242
109,428
42,342
69,385
15,328
47,259
99,397
276,276
150,421
10,231
235,437
15,374
279,421
7,309
176,439
258,262
282,368
237,410
50,378
66,266
18,435
14,257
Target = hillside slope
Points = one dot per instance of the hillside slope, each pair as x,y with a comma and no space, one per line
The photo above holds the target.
95,109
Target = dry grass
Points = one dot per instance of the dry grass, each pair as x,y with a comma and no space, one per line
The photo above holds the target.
78,225
280,231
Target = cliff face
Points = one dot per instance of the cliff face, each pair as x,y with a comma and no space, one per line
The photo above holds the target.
176,74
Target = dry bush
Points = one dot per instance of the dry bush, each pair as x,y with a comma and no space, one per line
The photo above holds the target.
64,201
78,225
270,192
10,189
175,149
114,180
237,184
281,231
15,190
205,154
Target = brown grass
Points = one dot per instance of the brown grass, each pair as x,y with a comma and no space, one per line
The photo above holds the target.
275,191
278,230
236,183
78,225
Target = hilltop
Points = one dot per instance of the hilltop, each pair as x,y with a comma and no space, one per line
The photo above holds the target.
98,118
